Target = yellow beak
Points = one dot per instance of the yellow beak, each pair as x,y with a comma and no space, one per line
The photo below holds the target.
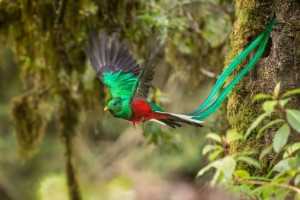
105,108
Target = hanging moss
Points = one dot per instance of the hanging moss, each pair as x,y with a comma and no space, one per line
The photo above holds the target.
48,38
30,123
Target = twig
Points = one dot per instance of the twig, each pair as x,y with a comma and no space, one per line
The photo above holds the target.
73,185
282,185
207,73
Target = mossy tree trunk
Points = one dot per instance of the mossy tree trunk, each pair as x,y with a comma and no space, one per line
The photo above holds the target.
3,194
281,62
48,38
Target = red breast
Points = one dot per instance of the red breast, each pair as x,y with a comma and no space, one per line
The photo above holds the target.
141,110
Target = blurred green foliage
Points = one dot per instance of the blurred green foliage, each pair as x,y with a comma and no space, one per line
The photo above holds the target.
51,99
49,94
276,163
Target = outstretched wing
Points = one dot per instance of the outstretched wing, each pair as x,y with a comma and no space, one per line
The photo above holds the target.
114,65
147,73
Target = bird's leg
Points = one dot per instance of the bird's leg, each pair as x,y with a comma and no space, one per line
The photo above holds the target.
134,123
143,126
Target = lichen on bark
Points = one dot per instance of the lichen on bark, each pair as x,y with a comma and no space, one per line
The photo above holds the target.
30,123
280,63
251,17
48,38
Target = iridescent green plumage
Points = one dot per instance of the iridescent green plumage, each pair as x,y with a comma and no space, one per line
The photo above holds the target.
128,83
120,83
118,71
120,86
217,95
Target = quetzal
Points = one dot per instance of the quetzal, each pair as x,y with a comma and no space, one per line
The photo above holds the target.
128,83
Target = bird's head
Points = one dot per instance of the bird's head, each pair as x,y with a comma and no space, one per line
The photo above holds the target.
119,107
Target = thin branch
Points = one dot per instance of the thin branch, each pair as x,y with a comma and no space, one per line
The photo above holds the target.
72,181
208,73
260,182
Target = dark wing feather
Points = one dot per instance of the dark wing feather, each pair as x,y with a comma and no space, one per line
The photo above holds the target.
147,73
114,64
109,54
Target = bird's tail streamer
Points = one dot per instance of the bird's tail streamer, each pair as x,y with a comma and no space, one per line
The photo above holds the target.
218,94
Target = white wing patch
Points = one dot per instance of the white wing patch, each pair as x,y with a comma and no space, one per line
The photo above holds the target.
182,116
157,121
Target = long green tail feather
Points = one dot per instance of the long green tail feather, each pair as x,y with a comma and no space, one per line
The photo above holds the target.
217,103
227,72
213,102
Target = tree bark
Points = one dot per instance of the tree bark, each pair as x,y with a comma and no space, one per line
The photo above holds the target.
281,62
73,184
4,194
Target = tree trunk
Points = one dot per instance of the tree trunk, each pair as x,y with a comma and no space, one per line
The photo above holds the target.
3,194
281,62
73,184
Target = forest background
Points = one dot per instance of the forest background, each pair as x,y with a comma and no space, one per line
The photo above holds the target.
57,143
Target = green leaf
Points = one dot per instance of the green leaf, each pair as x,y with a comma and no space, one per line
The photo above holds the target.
232,135
208,148
214,154
226,166
281,137
265,152
286,165
249,161
214,136
292,92
242,174
216,164
249,152
283,165
276,91
205,169
268,106
255,123
268,125
291,149
216,178
262,96
297,180
293,117
283,102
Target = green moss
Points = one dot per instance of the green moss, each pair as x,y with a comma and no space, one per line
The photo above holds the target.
250,17
30,123
241,111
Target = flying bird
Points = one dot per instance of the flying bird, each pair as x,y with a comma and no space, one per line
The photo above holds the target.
128,82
